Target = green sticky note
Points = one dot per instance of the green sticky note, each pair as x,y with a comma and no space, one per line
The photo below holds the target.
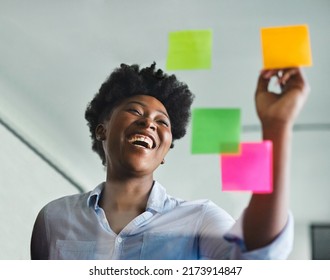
215,130
189,50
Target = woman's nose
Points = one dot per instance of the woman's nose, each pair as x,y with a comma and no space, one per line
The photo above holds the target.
146,122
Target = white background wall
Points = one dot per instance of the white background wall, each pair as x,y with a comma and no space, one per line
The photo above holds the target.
54,55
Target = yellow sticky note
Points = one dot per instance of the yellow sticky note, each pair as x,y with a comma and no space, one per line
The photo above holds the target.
286,46
190,49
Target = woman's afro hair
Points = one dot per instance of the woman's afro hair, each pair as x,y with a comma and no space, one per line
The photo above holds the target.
129,80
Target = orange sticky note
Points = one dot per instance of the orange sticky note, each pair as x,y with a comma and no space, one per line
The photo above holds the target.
287,46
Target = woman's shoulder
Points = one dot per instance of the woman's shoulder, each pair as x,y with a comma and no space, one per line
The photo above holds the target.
73,200
66,203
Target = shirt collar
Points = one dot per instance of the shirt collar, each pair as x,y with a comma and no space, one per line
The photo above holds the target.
94,196
157,198
155,202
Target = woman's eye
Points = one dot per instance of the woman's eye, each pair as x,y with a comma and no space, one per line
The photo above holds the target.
163,122
134,111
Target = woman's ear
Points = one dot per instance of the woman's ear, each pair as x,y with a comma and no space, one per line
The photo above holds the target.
100,132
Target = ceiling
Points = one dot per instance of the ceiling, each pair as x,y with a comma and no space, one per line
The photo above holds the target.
54,55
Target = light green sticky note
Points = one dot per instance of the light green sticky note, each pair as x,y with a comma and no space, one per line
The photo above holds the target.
215,130
190,49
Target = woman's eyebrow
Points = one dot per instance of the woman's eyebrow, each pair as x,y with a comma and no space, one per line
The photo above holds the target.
145,105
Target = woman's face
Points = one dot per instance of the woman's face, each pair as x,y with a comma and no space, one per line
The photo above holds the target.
137,136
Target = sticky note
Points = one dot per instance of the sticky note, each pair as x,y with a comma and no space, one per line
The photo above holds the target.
287,46
215,130
251,170
190,49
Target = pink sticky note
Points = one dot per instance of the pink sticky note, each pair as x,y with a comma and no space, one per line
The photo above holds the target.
251,170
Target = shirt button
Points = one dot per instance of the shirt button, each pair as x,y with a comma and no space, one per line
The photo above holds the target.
119,239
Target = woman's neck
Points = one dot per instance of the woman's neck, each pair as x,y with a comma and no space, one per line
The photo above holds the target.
126,195
122,201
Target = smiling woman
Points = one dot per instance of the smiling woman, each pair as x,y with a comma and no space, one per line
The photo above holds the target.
141,140
127,81
134,120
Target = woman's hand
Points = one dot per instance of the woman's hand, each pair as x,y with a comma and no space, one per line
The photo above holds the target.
281,109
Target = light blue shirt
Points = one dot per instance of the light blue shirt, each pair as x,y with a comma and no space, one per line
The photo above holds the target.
75,227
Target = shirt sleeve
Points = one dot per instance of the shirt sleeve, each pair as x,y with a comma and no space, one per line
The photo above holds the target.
39,244
215,223
278,249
